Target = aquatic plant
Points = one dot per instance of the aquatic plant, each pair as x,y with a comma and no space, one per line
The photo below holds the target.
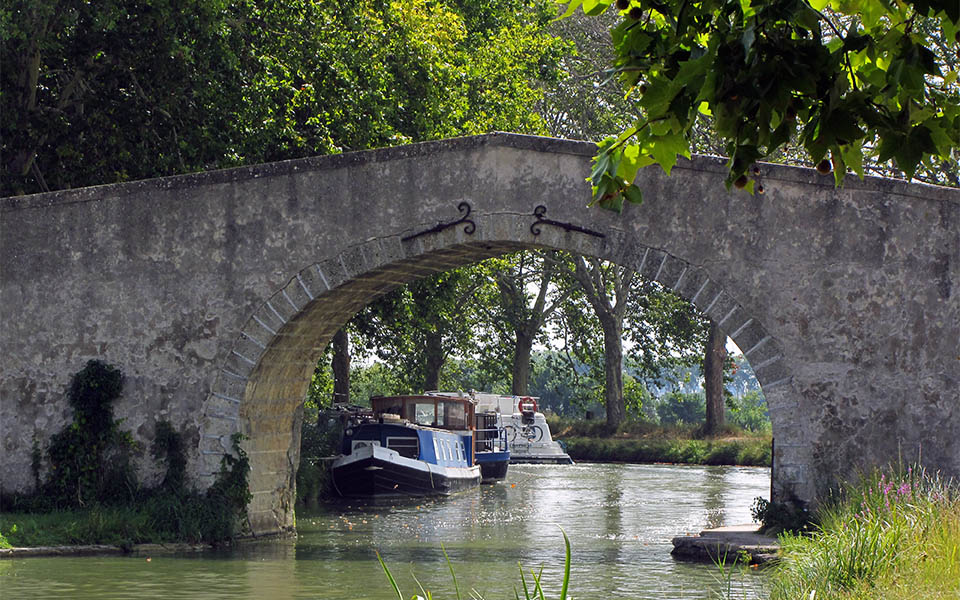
536,593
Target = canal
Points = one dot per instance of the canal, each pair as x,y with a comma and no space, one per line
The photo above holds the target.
619,518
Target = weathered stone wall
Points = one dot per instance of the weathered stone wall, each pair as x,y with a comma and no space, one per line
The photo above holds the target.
215,293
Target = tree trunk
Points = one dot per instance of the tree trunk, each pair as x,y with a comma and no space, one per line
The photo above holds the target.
715,355
521,363
433,360
341,367
613,372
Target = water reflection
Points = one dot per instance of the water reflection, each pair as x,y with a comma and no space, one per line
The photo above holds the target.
714,486
620,519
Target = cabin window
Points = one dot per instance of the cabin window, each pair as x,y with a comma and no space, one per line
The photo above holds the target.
455,416
422,413
405,446
459,451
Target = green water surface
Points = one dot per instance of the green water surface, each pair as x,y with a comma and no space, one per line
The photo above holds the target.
620,520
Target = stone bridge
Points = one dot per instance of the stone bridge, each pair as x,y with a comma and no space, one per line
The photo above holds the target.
215,293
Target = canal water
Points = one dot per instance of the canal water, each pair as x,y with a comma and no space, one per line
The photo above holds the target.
619,518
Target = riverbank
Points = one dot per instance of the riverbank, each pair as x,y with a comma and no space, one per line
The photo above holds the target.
147,550
643,443
893,537
167,523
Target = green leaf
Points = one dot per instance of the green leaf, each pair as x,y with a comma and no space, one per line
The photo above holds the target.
853,157
629,162
595,7
909,154
839,166
393,582
566,565
634,194
572,6
665,149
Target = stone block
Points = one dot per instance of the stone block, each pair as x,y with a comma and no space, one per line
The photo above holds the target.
354,262
295,295
248,350
312,283
265,323
231,387
706,294
281,305
749,337
333,272
689,282
651,263
721,308
669,271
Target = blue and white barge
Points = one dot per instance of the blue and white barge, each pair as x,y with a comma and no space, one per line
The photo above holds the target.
408,446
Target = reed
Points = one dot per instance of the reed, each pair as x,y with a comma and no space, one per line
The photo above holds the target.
530,592
895,535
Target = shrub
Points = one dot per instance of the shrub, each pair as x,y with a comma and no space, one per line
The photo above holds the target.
319,439
92,474
90,457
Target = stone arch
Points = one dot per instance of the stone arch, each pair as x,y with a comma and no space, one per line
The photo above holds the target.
845,299
264,380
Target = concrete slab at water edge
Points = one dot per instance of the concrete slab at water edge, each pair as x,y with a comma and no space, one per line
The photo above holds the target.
726,543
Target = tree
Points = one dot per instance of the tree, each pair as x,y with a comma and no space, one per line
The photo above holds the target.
662,331
585,104
863,79
108,91
97,92
341,366
523,300
606,288
715,357
416,328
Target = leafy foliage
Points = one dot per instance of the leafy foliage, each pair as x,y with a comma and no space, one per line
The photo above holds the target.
417,327
850,80
89,458
678,408
108,91
168,450
92,494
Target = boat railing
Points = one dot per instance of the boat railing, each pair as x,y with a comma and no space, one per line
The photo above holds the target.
491,440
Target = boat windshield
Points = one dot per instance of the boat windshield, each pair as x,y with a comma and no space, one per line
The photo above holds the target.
447,413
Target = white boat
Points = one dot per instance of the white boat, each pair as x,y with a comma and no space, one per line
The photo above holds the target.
526,428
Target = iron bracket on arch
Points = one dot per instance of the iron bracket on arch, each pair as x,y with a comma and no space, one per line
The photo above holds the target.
469,228
541,210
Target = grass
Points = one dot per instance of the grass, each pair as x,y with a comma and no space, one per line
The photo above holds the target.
639,442
892,537
114,525
191,518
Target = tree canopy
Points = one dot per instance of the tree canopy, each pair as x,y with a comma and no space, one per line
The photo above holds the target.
109,91
850,81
